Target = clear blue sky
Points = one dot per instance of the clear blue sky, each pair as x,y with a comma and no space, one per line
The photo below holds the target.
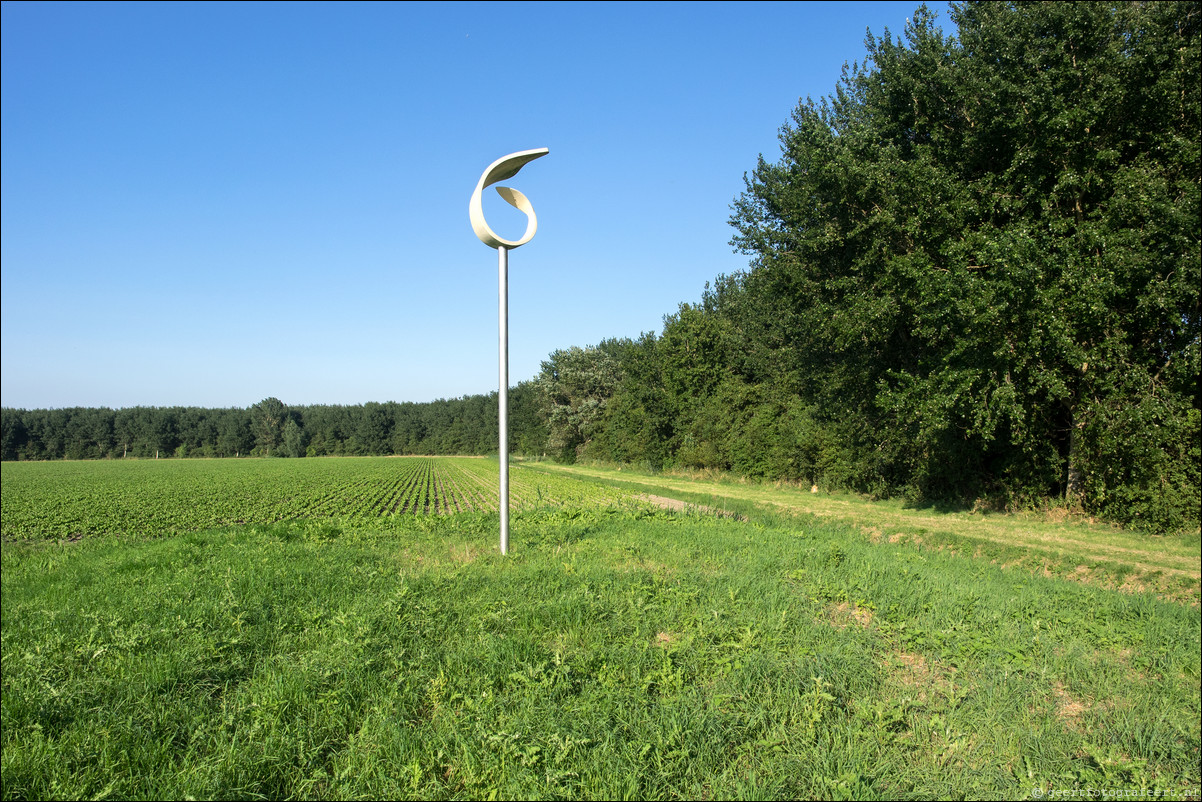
207,204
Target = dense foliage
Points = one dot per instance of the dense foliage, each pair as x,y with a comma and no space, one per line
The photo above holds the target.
465,425
975,274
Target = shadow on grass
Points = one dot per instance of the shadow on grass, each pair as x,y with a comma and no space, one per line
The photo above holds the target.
945,506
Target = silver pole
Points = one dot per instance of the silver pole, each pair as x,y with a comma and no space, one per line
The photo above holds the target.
503,395
502,168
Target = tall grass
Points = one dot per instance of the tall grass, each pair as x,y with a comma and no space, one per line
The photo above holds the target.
613,654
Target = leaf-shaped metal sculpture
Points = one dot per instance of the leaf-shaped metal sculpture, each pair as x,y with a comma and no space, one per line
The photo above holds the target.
502,168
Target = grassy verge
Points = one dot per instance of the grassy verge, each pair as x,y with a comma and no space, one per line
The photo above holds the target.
613,654
1077,549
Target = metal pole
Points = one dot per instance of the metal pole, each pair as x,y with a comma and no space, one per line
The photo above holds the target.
503,395
502,168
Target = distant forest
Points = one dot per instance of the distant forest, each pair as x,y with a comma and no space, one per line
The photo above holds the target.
974,279
271,428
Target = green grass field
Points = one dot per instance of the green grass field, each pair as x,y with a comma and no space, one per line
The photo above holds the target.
1051,543
620,651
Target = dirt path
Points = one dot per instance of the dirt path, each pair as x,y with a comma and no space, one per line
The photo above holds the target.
681,506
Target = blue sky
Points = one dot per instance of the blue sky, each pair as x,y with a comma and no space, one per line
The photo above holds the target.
209,204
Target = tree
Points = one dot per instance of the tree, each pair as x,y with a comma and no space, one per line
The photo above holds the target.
294,440
984,250
268,418
157,431
640,420
576,385
13,434
234,436
528,430
373,430
692,354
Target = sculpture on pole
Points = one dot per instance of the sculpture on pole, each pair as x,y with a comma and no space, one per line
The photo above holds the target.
502,168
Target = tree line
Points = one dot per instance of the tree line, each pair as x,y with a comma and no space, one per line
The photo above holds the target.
974,277
271,428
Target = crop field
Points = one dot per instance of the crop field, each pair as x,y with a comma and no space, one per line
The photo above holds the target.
70,500
351,641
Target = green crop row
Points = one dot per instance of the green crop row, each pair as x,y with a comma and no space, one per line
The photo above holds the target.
67,500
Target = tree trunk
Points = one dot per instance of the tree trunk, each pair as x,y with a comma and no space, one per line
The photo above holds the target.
1074,488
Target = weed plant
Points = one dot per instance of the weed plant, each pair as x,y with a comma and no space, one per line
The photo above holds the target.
613,654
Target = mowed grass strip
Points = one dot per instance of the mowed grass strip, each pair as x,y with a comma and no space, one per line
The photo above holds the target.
1067,546
612,654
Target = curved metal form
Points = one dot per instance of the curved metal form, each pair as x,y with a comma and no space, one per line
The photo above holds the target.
502,168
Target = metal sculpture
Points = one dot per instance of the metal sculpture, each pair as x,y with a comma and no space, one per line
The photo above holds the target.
502,168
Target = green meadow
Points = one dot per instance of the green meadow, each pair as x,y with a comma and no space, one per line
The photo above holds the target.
1047,541
620,651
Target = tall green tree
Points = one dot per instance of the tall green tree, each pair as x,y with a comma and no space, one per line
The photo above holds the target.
692,354
294,441
234,436
576,385
268,418
13,434
642,416
984,251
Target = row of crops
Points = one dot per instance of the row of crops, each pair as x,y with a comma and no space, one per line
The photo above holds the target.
150,497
